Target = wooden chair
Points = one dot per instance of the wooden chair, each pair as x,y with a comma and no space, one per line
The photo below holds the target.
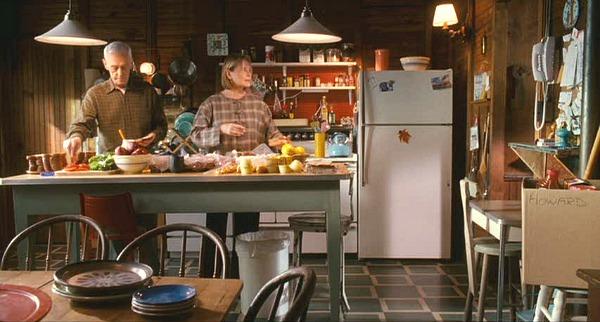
317,223
302,278
552,304
32,230
114,213
474,249
162,233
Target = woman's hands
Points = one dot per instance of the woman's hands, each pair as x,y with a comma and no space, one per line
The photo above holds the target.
232,129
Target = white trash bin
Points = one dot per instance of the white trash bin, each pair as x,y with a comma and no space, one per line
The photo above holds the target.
262,255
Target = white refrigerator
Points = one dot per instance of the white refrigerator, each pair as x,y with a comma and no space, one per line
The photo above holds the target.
405,164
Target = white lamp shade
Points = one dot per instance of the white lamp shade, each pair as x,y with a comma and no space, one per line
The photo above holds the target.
306,30
147,68
70,32
445,15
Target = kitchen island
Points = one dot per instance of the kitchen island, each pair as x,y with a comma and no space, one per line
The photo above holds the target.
193,193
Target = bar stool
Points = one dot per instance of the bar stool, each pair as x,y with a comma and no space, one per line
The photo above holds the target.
475,248
316,223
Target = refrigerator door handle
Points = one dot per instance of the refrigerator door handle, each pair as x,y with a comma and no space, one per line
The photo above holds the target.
365,154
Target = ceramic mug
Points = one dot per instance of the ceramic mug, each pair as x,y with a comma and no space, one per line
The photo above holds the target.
176,163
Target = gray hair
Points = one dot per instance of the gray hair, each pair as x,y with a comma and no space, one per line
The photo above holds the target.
118,47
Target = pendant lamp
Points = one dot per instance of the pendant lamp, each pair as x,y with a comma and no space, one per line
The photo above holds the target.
70,32
306,30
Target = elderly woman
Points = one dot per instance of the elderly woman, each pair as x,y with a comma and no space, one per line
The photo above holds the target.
233,119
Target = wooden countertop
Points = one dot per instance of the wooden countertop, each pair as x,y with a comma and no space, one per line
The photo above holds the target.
209,176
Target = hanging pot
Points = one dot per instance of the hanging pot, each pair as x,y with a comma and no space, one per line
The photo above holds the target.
183,71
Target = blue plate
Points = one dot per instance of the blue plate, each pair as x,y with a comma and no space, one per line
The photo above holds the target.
184,117
184,128
164,294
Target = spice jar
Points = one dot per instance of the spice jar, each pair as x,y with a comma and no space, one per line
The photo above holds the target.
317,81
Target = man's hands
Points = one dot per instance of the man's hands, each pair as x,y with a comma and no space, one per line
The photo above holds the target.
72,145
233,129
146,140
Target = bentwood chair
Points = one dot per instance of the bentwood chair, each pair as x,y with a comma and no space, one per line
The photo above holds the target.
206,236
301,279
475,248
30,234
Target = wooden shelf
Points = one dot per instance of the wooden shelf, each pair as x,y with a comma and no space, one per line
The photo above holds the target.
332,64
560,152
319,88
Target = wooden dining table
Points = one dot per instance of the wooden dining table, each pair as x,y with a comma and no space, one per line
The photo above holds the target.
500,218
214,300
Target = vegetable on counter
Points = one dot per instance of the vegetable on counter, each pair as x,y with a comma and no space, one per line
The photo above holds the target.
102,162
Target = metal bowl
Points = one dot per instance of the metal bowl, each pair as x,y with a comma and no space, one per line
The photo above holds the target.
102,277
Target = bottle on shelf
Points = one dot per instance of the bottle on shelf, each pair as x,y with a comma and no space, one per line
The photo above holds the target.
292,110
331,115
324,109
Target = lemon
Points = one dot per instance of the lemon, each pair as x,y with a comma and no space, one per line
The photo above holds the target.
287,149
300,150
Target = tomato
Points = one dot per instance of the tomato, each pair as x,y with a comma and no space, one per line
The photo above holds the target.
71,167
83,167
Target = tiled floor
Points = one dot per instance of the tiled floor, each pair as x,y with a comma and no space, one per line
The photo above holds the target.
391,290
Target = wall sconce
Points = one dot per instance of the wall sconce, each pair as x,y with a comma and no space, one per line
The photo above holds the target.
445,16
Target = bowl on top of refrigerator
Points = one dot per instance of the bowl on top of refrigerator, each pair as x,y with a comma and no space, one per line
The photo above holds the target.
415,63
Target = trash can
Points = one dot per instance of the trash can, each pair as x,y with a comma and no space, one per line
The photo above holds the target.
262,255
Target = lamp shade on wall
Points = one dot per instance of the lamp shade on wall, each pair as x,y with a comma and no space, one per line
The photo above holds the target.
306,30
445,15
70,32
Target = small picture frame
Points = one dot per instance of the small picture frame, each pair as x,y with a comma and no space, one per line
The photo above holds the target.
217,44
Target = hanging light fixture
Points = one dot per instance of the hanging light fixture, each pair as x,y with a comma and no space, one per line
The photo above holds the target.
307,30
70,32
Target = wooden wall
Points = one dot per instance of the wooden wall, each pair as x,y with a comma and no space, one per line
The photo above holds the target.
41,84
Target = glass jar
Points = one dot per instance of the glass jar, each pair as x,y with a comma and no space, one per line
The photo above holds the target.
318,55
333,55
348,54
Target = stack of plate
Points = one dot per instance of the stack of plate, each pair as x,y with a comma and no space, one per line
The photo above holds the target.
184,123
164,300
101,281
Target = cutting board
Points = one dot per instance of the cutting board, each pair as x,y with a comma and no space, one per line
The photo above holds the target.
86,173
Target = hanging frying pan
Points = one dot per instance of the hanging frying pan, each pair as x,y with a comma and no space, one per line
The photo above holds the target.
183,71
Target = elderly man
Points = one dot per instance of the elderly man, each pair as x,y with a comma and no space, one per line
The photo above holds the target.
122,102
118,103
